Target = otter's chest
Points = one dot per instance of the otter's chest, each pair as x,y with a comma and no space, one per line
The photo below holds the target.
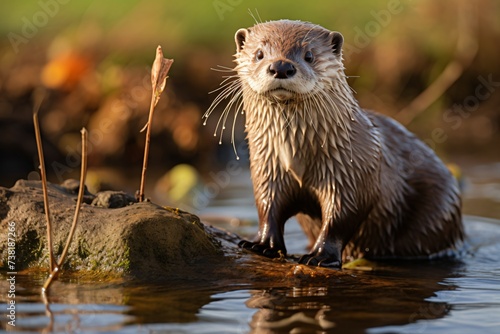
290,163
290,143
298,152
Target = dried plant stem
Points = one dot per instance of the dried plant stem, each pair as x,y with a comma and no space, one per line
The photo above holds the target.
81,191
43,177
159,75
146,149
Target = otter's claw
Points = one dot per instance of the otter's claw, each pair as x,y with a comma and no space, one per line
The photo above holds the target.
260,249
320,261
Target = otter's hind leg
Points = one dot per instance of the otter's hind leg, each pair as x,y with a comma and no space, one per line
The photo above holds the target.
433,220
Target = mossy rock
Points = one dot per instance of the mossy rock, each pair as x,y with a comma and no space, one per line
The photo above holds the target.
137,239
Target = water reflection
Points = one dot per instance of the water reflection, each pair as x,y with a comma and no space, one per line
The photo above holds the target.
394,297
69,306
395,294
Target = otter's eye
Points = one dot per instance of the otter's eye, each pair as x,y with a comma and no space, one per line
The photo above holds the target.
309,57
259,55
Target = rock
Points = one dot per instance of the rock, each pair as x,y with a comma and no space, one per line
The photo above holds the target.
114,235
113,199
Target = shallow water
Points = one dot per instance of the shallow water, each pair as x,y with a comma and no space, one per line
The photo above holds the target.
424,297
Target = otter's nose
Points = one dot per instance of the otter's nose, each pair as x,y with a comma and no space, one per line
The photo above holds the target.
282,69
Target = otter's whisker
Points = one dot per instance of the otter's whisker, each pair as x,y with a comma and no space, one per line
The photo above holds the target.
254,17
221,117
225,91
283,111
287,115
229,90
226,81
292,116
235,96
305,39
236,111
224,69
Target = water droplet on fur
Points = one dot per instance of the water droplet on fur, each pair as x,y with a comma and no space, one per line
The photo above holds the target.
215,134
223,128
237,158
351,160
220,142
205,123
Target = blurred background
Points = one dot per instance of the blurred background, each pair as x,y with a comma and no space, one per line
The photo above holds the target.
433,65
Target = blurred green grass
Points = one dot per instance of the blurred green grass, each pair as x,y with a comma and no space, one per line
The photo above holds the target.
187,24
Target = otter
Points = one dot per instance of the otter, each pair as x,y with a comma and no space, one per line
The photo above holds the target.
359,183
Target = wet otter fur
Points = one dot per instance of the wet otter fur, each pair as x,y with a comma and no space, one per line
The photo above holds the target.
360,184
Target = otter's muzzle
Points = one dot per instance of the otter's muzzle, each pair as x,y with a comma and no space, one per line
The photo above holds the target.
282,69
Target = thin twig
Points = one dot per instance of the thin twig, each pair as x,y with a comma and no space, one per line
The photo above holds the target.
146,151
465,52
159,75
43,175
81,191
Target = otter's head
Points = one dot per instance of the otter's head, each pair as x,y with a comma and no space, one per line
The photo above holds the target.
288,60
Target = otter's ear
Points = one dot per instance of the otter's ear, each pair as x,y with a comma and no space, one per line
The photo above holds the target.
336,39
240,38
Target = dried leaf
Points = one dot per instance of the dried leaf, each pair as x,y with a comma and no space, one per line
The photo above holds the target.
159,73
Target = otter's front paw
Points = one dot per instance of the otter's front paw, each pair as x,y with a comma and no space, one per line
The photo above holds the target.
263,249
321,260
